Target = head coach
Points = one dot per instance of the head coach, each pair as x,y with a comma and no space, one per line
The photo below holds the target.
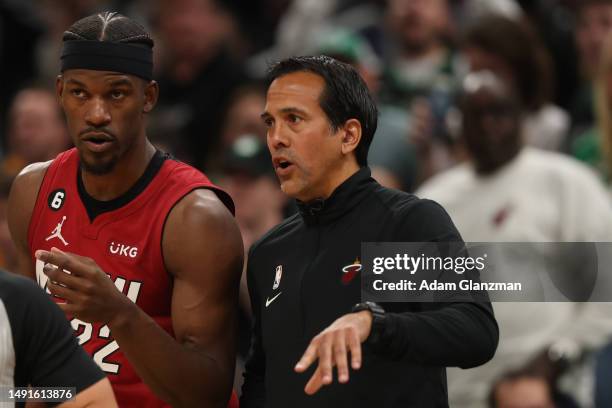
315,344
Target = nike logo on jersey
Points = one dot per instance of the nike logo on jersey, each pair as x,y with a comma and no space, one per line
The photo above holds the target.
269,301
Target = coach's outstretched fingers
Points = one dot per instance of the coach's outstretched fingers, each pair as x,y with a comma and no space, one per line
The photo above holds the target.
331,347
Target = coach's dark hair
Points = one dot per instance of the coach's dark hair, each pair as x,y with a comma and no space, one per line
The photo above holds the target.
345,95
109,26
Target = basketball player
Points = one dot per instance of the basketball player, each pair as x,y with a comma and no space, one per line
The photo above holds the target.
141,250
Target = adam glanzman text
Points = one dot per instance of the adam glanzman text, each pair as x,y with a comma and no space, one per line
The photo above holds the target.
458,265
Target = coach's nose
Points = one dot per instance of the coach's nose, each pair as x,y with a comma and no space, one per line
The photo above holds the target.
98,114
277,137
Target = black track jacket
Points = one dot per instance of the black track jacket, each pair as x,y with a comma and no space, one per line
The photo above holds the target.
406,368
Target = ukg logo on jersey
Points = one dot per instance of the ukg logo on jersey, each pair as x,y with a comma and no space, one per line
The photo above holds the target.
122,250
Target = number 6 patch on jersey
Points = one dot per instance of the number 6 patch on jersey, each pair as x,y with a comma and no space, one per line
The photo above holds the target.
56,199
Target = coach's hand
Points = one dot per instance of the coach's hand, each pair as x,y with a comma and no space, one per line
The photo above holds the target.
89,293
331,348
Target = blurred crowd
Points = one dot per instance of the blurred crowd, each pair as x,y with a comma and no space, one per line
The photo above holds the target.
498,109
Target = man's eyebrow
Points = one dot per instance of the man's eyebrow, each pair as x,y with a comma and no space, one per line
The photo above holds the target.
292,109
75,82
289,109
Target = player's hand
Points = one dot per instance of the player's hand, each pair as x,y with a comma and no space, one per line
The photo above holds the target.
89,293
331,348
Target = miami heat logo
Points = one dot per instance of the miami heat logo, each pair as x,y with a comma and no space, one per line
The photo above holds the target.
349,271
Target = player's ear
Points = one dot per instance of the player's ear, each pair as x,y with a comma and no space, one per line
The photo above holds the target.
151,94
59,89
351,135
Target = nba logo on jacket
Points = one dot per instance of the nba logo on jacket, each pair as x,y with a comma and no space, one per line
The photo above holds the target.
277,277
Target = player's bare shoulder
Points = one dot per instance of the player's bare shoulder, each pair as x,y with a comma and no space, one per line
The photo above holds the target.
24,190
199,208
197,224
29,179
21,202
203,203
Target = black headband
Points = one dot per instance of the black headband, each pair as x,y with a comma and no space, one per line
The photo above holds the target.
108,56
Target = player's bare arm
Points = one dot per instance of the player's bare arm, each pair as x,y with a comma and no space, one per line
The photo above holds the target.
202,249
21,203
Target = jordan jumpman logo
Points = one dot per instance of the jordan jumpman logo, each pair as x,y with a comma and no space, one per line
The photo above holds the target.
57,232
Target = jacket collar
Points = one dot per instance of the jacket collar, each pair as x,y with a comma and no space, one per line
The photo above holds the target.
346,196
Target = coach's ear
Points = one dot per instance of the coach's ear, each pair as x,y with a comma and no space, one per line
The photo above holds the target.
59,89
351,135
151,94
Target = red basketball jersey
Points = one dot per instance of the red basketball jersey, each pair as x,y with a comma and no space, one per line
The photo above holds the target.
126,243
